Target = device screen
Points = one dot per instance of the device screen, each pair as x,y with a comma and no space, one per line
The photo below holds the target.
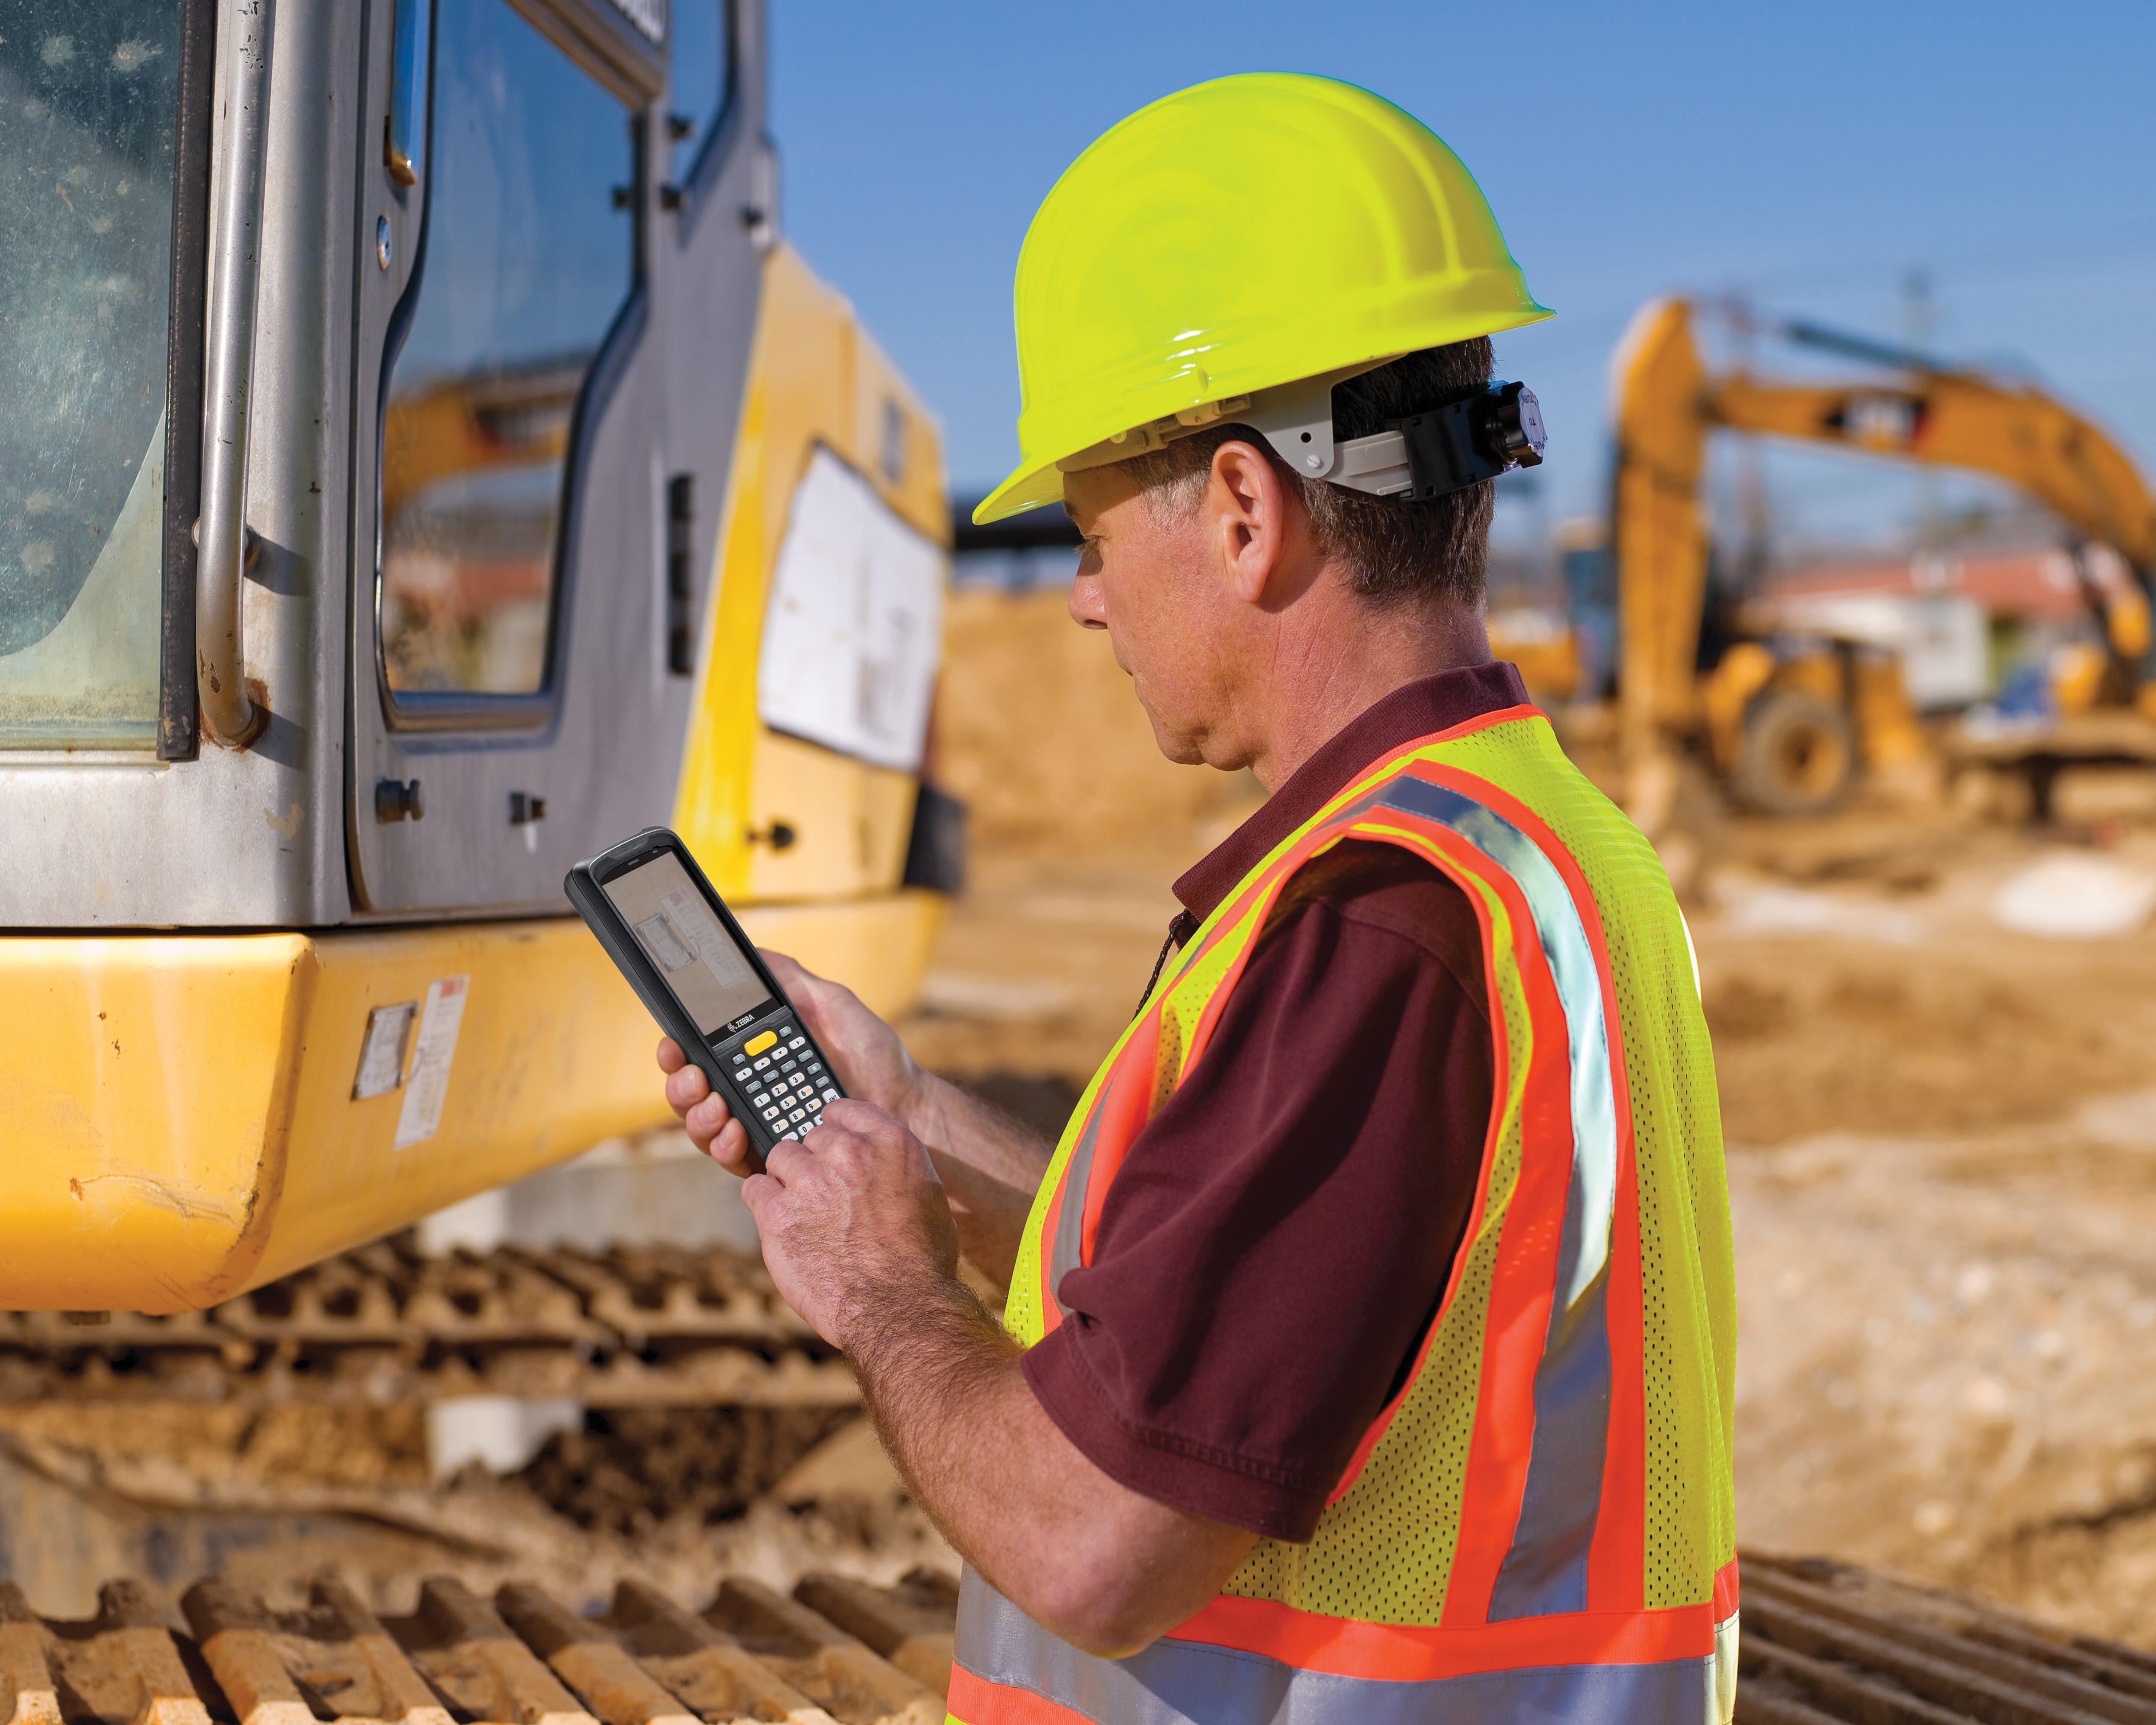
706,967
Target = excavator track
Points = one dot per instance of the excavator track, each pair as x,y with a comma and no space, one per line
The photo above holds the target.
1825,1641
1822,1643
839,1652
627,1327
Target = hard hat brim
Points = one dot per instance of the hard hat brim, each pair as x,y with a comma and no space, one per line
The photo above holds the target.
1030,487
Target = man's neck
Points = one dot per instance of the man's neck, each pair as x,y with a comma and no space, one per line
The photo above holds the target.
1330,669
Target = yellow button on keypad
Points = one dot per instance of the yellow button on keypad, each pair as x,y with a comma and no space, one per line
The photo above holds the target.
757,1044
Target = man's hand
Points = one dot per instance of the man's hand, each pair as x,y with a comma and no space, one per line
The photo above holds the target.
871,1062
989,1165
853,1222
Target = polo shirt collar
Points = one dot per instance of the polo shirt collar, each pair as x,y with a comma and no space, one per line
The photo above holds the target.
1426,705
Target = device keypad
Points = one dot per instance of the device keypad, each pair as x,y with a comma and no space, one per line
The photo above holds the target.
783,1083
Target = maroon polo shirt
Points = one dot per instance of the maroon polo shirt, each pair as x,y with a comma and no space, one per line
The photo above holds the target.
1277,1241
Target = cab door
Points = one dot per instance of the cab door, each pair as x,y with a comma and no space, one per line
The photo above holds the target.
559,296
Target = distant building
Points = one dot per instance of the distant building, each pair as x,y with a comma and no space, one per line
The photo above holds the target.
1961,622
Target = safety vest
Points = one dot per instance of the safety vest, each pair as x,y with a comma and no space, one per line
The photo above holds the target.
1539,1526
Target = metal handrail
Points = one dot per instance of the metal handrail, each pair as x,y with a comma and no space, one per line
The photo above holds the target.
228,715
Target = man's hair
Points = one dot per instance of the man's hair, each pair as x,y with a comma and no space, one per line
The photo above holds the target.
1396,552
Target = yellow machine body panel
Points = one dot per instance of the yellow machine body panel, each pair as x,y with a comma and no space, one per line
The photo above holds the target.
815,379
180,1121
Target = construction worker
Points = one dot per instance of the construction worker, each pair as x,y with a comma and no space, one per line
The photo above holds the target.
1368,1342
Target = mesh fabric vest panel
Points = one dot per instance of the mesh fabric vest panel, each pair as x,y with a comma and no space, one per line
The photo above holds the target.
1548,1499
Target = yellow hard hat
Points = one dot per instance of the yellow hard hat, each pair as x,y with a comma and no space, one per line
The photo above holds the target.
1256,232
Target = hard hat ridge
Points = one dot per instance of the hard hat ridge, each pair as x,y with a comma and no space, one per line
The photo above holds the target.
1235,250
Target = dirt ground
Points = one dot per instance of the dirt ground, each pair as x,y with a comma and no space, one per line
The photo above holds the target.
1941,1149
1943,1163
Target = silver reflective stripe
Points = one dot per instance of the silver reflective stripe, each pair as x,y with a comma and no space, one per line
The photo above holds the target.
1192,1683
1071,1219
1546,1569
1725,1670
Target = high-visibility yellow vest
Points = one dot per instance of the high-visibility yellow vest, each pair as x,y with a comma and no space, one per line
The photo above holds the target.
1539,1526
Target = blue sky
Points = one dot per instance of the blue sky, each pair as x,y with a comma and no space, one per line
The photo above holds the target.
1810,156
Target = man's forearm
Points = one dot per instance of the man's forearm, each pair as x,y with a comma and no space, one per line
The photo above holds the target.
1089,1559
857,1233
937,1372
990,1167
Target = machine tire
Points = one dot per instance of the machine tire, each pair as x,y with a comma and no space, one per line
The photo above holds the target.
1798,756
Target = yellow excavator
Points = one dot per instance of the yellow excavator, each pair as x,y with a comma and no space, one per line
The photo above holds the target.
1786,719
425,465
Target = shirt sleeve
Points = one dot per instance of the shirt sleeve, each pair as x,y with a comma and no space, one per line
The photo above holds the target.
1282,1230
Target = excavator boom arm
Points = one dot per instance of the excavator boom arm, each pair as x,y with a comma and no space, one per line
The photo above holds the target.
1658,537
1952,419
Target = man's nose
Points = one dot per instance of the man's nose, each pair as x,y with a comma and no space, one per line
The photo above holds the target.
1085,607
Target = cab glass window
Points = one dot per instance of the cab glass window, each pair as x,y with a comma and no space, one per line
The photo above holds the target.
88,107
696,80
528,257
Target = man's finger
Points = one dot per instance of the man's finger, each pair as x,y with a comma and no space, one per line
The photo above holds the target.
786,1161
831,1135
758,1190
731,1150
849,1121
708,1116
671,1060
687,1088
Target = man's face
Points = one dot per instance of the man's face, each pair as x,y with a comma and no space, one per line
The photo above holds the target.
1158,588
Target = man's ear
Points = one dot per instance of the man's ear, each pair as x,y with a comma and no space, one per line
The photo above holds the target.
1255,519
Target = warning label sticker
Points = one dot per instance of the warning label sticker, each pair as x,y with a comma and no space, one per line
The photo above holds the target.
425,1090
381,1054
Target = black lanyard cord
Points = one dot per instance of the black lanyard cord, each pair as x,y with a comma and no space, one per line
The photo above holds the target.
1179,931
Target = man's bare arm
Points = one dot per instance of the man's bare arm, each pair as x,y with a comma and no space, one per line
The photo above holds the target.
860,1243
990,1166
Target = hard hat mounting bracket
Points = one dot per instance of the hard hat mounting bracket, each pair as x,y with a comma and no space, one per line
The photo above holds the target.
1296,419
1441,450
1416,457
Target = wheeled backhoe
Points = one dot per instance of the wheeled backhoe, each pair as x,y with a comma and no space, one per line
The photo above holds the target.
1785,717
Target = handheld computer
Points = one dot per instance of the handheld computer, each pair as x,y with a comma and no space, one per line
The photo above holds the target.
661,922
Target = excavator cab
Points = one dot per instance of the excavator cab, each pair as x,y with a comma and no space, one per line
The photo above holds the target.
424,466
